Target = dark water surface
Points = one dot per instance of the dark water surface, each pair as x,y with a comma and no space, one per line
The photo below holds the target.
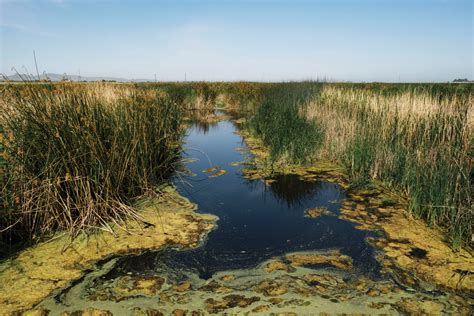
256,222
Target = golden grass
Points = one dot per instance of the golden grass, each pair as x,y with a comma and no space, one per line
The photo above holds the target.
419,142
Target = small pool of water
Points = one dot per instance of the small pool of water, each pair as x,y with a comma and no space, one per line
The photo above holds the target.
256,221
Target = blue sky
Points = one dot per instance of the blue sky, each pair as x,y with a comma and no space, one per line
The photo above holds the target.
366,40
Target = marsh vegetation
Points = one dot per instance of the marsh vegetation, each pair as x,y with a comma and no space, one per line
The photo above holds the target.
324,164
77,155
415,139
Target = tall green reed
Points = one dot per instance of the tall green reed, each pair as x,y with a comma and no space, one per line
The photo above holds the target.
415,138
278,124
78,155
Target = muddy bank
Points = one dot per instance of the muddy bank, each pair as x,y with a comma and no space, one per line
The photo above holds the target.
407,243
46,268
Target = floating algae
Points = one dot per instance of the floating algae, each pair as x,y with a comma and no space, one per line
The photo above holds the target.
211,169
42,269
332,258
379,210
309,266
278,265
316,211
214,171
295,288
405,238
218,173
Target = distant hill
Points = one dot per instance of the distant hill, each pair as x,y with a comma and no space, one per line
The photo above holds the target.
59,77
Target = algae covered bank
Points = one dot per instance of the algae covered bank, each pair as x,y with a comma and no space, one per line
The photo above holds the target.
292,241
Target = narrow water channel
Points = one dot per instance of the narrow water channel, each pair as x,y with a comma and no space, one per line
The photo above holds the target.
254,260
256,221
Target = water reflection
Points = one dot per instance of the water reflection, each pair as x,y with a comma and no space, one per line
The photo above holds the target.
290,189
256,222
204,127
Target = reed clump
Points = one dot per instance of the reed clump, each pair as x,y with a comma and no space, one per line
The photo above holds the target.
242,98
76,156
419,142
290,137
